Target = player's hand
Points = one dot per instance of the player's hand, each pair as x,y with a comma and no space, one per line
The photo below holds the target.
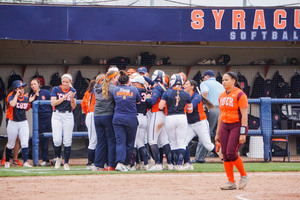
31,98
217,138
72,94
242,139
148,96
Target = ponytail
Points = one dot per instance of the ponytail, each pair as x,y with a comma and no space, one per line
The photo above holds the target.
178,98
106,81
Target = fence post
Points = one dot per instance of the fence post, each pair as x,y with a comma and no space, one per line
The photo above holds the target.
266,124
35,133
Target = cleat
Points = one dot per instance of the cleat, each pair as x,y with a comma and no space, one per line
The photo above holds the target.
243,182
121,167
7,165
180,168
17,162
57,163
111,169
188,166
133,168
169,167
91,167
26,164
44,164
145,167
3,161
66,166
228,186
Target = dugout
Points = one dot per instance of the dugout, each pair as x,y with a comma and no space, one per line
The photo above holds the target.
51,39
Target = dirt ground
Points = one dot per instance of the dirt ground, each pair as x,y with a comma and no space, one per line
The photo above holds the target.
155,186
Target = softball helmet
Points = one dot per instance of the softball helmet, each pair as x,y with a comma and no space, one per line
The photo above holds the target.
176,79
158,76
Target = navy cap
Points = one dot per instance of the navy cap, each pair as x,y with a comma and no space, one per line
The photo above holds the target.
18,83
142,70
209,72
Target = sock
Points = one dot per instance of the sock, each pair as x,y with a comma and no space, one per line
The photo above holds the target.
91,156
67,151
180,153
167,151
8,154
228,166
155,152
161,155
144,155
149,150
137,157
174,157
187,155
57,151
133,157
25,153
240,166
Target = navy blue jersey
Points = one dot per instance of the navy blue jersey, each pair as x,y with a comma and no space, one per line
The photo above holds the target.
170,97
126,98
142,107
155,98
59,93
45,110
19,111
198,113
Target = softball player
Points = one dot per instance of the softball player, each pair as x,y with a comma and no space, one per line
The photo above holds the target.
232,128
63,100
197,121
177,101
103,116
138,82
44,119
157,135
18,124
125,120
88,104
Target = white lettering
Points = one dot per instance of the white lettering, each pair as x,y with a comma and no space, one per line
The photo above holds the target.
243,35
274,35
295,36
264,34
284,35
232,35
253,35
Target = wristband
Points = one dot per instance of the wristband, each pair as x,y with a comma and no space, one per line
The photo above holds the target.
243,130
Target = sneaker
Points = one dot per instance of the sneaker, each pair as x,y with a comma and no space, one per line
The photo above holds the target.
91,166
228,186
121,167
17,162
188,166
180,168
57,163
111,169
145,167
26,164
133,168
3,161
156,167
243,182
7,165
198,161
66,166
169,167
98,169
45,164
204,62
213,62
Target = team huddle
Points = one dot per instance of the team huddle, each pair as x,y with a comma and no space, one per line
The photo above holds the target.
134,121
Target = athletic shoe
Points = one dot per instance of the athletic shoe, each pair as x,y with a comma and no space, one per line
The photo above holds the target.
66,166
180,168
133,168
198,161
98,169
121,167
188,166
111,169
3,161
58,163
91,166
26,164
138,166
45,164
7,165
169,167
228,186
145,167
17,162
243,182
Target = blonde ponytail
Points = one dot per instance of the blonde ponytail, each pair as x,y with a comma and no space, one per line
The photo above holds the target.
178,98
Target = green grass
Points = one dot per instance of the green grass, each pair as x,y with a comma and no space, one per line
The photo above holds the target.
208,167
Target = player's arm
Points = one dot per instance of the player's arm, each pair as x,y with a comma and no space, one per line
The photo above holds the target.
189,107
162,104
244,124
55,101
73,99
218,129
13,101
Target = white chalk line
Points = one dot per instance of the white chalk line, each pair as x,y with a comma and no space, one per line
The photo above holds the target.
243,196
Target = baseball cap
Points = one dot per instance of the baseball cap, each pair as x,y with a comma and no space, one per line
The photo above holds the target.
142,70
138,79
130,71
208,72
18,83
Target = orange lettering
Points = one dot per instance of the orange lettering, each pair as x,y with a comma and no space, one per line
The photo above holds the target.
278,22
297,19
259,20
238,17
197,19
218,18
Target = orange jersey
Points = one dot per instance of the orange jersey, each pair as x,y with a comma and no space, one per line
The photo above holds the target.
9,111
230,105
85,102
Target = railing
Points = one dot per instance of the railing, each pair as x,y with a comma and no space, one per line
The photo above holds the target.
266,128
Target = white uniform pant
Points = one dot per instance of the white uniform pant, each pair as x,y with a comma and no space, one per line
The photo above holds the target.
62,127
157,133
201,129
90,124
17,128
141,131
176,126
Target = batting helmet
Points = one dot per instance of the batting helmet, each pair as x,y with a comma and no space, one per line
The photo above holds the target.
176,79
158,76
